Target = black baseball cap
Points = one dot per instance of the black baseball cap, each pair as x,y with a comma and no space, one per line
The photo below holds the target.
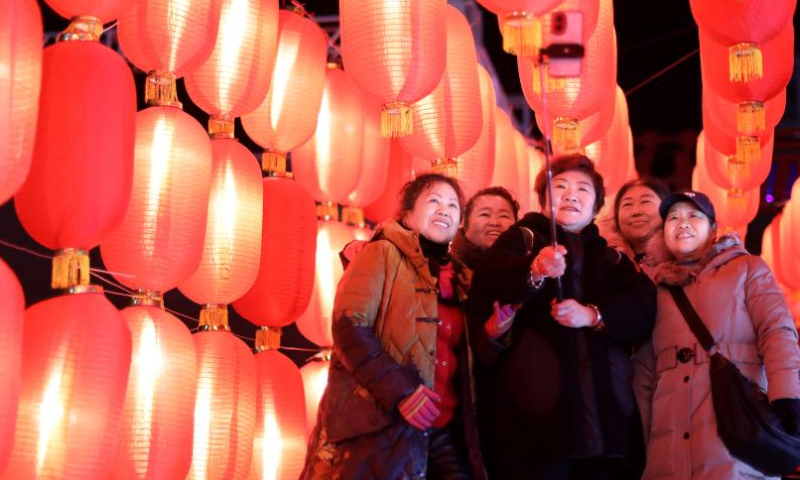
698,199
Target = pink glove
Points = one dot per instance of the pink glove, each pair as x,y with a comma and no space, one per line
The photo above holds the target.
419,409
501,320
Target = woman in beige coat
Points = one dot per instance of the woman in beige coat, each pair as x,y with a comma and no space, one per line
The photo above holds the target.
738,300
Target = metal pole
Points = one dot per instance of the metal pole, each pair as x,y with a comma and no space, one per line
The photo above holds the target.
548,152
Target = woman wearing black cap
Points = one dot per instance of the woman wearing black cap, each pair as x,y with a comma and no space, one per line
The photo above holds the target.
737,299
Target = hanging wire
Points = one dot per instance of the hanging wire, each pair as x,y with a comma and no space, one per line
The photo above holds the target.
662,72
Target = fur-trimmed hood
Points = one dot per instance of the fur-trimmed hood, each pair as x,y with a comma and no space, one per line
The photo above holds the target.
669,272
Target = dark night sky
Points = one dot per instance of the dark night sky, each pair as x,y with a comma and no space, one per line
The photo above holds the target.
651,35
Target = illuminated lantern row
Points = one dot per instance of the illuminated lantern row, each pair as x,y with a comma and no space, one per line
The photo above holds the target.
21,35
778,59
76,358
448,121
288,115
79,183
521,29
536,161
328,165
476,165
523,180
156,436
12,306
399,172
279,446
734,209
396,51
236,77
788,248
774,249
742,28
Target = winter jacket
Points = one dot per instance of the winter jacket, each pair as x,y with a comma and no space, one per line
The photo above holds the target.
384,330
532,407
737,298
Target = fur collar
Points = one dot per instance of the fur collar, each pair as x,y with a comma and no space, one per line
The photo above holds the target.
609,231
669,272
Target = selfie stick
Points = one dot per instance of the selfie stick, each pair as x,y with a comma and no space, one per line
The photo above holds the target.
548,151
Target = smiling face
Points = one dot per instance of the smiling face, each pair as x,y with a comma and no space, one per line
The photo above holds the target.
688,232
491,215
574,198
436,213
638,215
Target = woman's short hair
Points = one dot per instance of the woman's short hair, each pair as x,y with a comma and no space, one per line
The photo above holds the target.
413,189
501,192
657,186
568,163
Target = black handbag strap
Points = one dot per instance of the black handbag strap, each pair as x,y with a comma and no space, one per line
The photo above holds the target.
694,321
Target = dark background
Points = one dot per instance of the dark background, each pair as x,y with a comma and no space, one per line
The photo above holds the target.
665,116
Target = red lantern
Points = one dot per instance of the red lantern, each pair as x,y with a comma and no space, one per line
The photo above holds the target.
280,438
104,10
21,33
288,116
476,165
374,161
591,129
730,172
156,435
160,242
80,181
315,322
225,408
75,362
448,122
232,249
612,151
788,248
328,165
285,279
12,301
236,77
505,172
746,118
581,96
523,168
536,160
772,244
734,209
742,27
400,168
315,381
395,51
169,35
794,218
522,34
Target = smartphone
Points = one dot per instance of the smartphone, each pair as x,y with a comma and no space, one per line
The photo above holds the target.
565,38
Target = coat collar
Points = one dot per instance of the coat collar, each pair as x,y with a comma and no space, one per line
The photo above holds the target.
467,252
669,272
407,241
540,223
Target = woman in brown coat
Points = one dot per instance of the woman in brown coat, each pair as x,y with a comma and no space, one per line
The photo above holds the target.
737,298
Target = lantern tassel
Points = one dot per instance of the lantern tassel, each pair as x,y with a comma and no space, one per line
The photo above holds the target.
566,135
220,126
522,34
353,216
750,118
745,62
748,149
70,268
268,338
161,89
738,173
397,120
214,317
273,163
446,166
552,84
327,211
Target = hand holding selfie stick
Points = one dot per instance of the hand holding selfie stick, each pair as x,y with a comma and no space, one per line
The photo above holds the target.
562,51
